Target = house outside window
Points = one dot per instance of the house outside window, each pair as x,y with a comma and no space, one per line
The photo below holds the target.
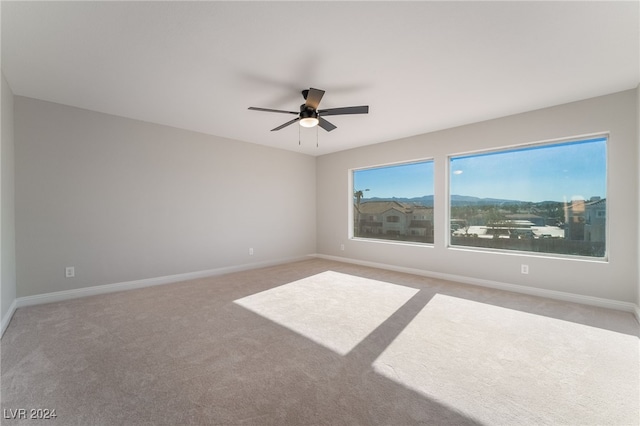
388,199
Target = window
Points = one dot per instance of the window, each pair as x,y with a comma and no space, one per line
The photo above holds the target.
547,198
387,200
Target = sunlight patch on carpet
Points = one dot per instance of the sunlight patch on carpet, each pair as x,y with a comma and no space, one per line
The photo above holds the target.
333,309
503,366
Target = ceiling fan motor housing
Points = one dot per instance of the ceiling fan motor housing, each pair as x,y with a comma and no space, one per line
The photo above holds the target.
306,112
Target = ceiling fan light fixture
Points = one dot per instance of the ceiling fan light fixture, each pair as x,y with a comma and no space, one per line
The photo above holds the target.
309,122
308,117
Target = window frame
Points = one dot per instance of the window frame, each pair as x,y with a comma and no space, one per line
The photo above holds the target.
522,146
351,208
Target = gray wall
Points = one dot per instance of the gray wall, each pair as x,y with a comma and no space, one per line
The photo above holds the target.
615,280
123,200
7,224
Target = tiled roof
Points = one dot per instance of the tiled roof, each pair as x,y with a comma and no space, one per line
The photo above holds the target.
378,207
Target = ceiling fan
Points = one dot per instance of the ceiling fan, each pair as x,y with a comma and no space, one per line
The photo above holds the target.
309,114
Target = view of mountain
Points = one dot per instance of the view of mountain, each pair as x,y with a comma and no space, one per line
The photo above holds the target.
456,200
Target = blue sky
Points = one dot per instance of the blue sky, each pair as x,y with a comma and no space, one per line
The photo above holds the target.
542,173
406,180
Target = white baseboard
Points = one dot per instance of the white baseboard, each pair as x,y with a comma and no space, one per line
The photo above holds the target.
6,319
532,291
59,296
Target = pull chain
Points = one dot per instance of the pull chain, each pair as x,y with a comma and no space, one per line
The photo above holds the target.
300,137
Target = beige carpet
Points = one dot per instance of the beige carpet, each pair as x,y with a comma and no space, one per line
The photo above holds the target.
320,342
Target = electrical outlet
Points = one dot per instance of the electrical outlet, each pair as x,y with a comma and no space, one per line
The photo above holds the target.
524,269
342,247
69,272
251,251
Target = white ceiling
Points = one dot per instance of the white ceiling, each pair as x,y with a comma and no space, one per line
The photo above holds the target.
420,66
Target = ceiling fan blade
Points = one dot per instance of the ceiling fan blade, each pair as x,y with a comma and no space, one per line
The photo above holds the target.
313,98
325,124
273,110
364,109
286,124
